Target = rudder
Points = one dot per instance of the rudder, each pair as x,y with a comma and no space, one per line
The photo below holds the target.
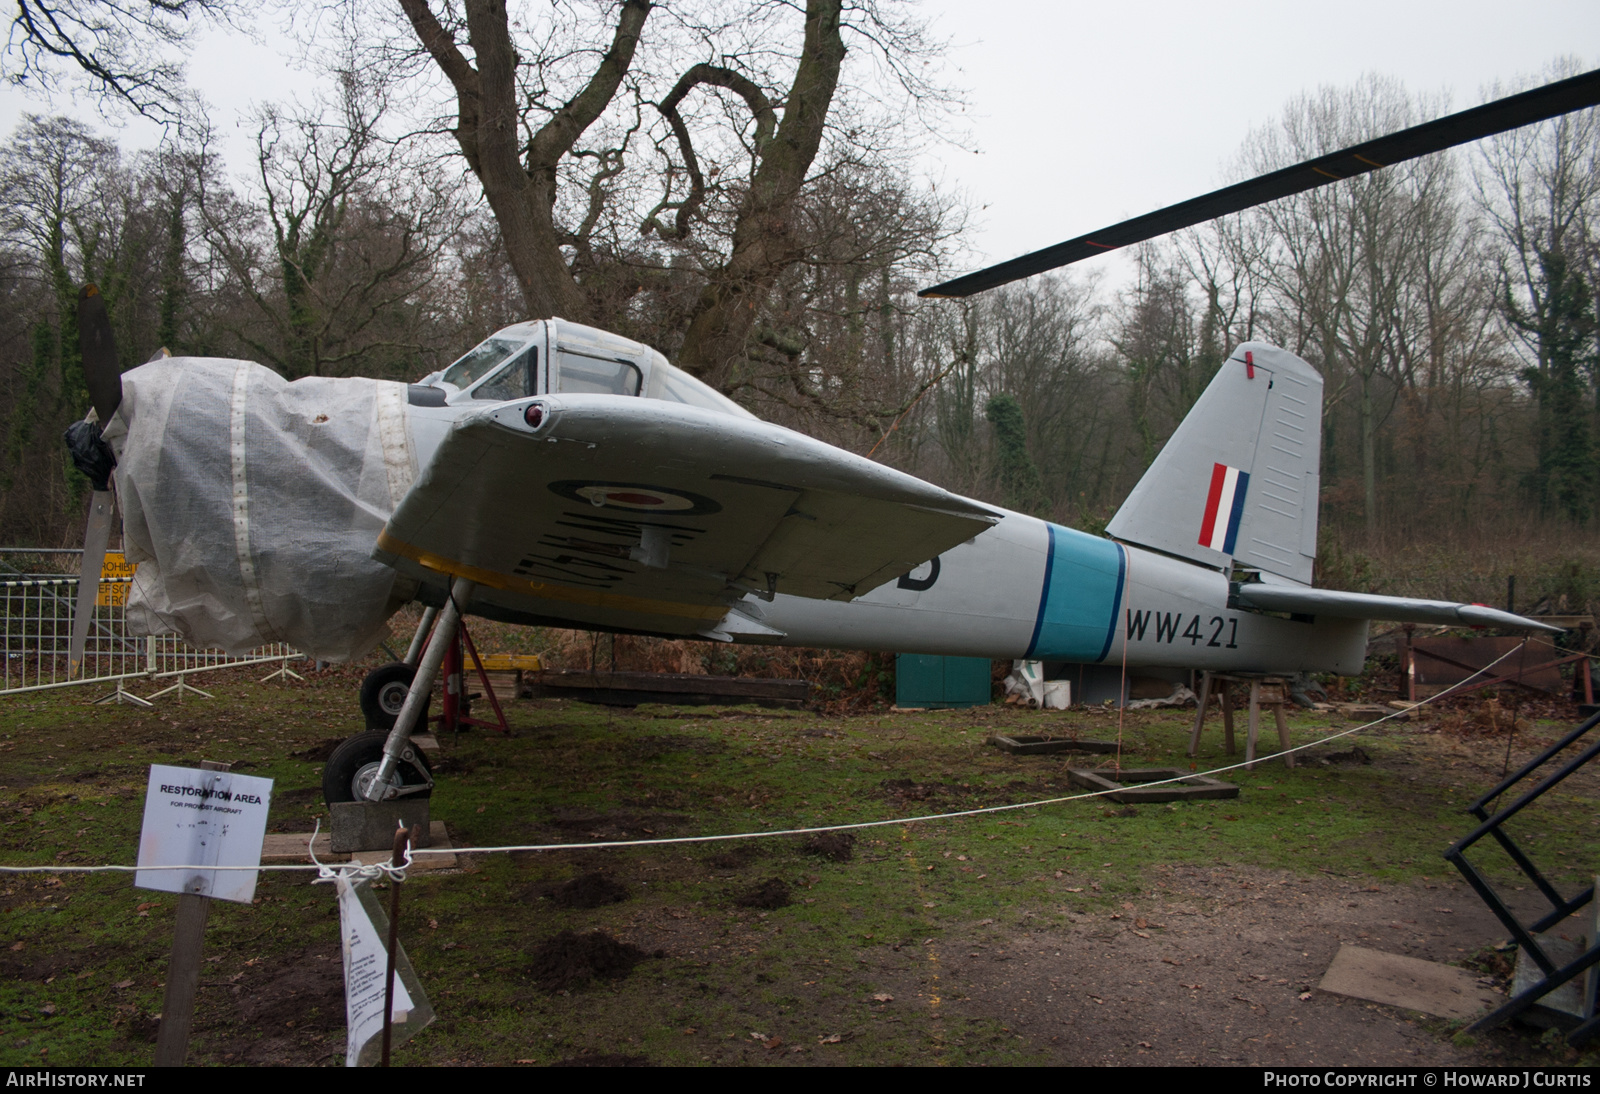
1238,480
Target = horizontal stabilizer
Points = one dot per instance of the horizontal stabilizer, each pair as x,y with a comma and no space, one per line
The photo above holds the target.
1397,609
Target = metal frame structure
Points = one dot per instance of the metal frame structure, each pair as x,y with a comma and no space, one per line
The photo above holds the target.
36,616
1550,975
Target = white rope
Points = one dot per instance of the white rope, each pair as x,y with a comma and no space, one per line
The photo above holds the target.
374,869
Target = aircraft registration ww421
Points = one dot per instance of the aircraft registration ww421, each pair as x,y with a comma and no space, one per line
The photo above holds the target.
560,475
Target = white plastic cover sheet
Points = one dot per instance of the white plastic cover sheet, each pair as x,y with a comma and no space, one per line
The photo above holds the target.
251,504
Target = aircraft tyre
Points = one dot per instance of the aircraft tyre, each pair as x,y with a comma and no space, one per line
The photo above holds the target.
357,759
383,693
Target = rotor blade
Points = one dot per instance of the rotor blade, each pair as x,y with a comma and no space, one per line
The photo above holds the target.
1526,108
101,373
94,557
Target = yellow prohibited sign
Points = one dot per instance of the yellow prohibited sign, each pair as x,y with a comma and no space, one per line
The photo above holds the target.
115,573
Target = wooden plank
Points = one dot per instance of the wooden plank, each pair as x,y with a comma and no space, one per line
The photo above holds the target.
183,971
670,683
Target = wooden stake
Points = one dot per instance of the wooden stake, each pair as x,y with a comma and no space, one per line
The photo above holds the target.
183,971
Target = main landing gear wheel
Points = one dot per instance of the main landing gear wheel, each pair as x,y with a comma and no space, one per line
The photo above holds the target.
354,764
383,693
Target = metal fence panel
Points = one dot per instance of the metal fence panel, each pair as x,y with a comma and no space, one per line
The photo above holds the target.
36,612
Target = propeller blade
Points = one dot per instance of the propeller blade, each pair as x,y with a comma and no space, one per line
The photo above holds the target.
1512,112
95,539
101,373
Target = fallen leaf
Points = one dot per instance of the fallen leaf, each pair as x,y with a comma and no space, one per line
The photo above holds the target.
776,1042
882,997
123,984
1141,922
15,946
1075,888
831,1039
1304,996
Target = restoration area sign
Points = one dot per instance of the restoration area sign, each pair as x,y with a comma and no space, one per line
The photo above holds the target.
195,821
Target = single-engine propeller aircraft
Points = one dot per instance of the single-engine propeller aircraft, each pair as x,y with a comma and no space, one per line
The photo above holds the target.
561,475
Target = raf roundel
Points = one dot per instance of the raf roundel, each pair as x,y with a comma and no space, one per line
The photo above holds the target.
635,497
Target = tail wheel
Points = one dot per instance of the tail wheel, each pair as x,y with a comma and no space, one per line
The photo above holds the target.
354,764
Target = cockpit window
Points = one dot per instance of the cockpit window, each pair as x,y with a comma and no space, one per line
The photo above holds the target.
513,381
673,385
477,363
584,374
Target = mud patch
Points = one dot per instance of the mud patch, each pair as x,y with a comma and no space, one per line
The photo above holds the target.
607,1059
612,825
904,790
736,859
833,846
770,894
589,891
1356,755
282,1013
571,960
320,752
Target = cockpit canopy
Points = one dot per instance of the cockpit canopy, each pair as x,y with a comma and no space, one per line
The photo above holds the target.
556,356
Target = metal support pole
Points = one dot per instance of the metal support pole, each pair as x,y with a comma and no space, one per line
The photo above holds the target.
402,840
415,649
444,635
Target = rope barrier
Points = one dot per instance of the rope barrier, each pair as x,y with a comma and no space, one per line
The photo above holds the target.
327,872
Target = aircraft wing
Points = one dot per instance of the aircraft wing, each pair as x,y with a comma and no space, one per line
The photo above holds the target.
651,515
1398,609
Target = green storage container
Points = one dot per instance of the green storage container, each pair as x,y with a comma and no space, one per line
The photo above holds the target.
924,680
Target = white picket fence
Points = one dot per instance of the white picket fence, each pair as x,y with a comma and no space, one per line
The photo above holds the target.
36,610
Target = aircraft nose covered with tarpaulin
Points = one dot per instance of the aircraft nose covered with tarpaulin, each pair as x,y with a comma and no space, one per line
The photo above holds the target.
251,504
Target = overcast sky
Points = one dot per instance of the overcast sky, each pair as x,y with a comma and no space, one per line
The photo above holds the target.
1082,114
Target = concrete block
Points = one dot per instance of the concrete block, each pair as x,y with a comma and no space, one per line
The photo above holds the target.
370,826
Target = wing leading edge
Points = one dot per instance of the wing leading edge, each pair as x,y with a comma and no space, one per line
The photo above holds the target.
648,515
1397,609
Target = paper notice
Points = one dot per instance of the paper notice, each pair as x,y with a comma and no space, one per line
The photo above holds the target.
365,931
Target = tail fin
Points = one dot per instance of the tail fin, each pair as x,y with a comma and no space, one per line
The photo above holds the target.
1238,480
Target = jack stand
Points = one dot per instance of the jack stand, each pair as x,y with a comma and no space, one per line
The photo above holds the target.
180,687
284,672
456,713
123,695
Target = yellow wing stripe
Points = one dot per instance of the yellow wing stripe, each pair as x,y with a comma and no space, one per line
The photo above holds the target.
591,597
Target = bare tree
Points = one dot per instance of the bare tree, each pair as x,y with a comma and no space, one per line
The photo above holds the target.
353,234
123,48
1539,188
550,119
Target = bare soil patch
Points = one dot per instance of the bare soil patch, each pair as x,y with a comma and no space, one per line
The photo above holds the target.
592,890
1220,965
770,894
570,960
